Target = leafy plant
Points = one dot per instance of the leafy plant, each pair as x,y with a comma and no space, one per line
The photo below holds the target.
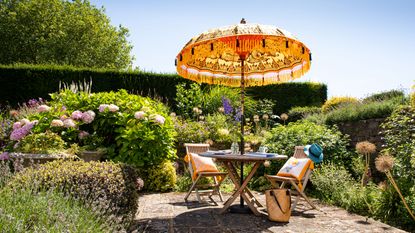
160,178
188,98
386,95
298,113
336,102
41,143
109,187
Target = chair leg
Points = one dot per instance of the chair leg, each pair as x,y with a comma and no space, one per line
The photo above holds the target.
191,189
217,187
198,195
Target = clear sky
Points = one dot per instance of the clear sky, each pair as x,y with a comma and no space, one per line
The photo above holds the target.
359,47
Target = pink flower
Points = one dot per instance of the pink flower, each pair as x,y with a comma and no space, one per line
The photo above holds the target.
76,115
24,130
159,119
69,123
88,116
56,123
17,125
63,117
83,134
113,108
102,107
43,108
4,156
139,115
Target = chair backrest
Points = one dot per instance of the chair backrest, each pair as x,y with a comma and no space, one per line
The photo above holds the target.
299,152
196,147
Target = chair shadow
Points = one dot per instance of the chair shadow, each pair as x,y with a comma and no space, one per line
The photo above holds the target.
195,204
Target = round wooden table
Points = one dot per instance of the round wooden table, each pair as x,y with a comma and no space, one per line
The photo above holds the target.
229,160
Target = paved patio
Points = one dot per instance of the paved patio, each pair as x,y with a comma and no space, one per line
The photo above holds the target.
167,212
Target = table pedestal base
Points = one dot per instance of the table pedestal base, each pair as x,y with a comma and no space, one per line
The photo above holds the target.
238,209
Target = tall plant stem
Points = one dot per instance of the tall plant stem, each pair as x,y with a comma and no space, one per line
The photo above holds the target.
389,175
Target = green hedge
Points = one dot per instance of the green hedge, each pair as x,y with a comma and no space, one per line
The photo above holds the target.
293,94
19,83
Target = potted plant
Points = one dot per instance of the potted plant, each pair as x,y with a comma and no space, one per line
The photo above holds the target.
92,148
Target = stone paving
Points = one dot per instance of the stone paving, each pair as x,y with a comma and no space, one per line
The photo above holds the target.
168,212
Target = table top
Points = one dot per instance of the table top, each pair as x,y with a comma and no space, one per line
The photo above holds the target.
252,156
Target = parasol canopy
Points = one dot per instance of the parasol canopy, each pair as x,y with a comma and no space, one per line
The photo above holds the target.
271,55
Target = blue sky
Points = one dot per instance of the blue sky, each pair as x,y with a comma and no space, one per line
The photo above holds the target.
358,47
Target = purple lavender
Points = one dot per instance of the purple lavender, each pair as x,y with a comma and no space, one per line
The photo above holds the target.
227,105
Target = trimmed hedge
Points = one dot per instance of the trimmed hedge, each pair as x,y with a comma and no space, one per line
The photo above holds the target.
19,83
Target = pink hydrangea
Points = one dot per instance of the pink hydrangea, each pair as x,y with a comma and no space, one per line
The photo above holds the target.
43,108
113,108
21,132
63,117
76,115
102,107
69,123
159,119
56,123
17,125
4,156
88,116
139,114
83,134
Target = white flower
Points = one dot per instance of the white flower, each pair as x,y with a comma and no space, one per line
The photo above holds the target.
69,123
139,115
24,121
43,108
223,132
56,123
159,119
113,108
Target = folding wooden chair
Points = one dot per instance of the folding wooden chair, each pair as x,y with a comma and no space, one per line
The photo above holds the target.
218,177
299,185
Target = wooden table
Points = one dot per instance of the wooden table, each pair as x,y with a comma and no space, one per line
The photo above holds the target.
242,190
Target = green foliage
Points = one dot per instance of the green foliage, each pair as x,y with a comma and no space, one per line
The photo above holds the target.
142,142
355,112
189,131
399,136
25,211
333,184
41,143
287,95
298,113
160,178
223,129
61,32
112,188
188,98
336,102
386,95
283,139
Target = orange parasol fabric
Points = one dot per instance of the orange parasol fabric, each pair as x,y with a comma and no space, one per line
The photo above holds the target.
271,55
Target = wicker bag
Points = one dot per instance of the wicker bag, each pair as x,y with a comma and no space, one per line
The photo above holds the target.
278,204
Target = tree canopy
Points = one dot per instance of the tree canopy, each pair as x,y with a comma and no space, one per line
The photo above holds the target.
61,32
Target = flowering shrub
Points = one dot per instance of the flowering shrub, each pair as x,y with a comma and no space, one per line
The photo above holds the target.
335,102
110,187
135,129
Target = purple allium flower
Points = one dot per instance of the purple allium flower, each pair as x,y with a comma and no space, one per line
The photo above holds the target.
43,108
83,134
159,119
56,123
69,123
226,105
76,115
88,116
4,156
139,115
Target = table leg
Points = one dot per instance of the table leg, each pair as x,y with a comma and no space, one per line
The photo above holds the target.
240,189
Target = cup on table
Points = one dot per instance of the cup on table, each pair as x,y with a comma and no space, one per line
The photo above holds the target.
263,149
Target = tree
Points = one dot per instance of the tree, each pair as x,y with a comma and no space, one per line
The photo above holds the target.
61,32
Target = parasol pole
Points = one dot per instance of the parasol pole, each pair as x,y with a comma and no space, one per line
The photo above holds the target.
241,200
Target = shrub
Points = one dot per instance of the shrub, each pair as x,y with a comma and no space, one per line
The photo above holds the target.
189,131
109,187
160,178
41,143
333,184
25,211
136,129
386,95
355,112
283,139
336,102
298,113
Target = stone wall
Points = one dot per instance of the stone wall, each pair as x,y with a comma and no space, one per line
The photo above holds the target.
363,130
